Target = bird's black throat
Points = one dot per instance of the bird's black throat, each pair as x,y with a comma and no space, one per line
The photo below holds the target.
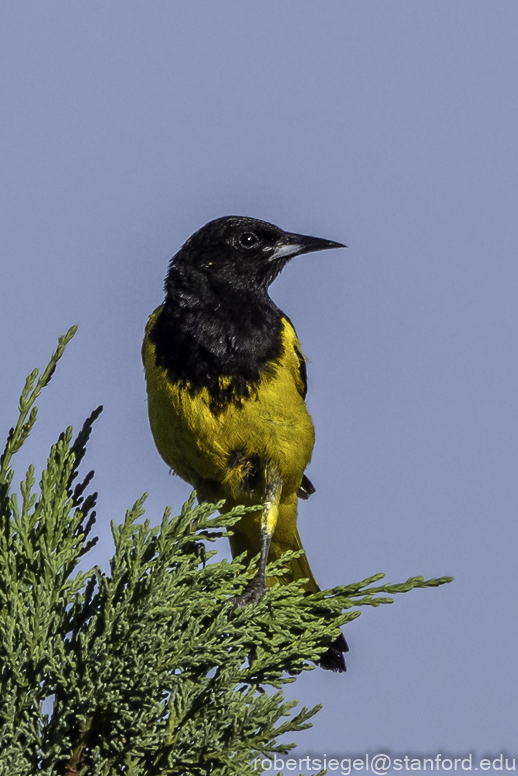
202,334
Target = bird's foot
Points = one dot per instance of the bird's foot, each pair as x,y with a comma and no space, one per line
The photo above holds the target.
255,590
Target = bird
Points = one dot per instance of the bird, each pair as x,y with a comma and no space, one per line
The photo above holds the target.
226,381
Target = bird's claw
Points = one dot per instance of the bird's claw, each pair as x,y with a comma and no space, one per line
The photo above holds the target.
255,590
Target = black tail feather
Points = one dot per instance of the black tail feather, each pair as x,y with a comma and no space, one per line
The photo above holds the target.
306,488
333,659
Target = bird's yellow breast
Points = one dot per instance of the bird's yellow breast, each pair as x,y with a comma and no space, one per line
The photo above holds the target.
198,442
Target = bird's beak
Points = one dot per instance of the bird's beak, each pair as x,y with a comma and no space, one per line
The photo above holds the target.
294,244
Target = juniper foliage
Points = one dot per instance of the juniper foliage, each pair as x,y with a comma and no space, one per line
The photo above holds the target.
146,668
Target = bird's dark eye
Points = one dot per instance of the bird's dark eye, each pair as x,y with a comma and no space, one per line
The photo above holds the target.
248,240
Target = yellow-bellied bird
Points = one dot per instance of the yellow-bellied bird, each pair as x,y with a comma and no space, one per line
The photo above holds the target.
226,382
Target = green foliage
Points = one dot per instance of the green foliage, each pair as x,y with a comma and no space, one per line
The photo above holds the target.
145,669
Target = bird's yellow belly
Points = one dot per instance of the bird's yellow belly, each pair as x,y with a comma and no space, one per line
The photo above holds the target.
273,425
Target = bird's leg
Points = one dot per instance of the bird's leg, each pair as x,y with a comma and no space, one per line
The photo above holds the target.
272,493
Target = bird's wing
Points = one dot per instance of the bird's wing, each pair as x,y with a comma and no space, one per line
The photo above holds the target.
303,372
291,340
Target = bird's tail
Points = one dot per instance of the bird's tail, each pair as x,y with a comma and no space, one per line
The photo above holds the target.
286,537
246,538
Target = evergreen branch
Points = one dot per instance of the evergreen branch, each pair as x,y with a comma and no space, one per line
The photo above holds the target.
145,669
28,413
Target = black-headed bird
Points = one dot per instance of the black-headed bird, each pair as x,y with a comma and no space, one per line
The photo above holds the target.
226,382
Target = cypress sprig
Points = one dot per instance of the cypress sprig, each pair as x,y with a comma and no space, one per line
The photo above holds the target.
146,668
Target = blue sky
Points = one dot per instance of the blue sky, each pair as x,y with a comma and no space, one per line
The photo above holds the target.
388,126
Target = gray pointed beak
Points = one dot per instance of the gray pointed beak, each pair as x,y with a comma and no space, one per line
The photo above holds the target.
296,244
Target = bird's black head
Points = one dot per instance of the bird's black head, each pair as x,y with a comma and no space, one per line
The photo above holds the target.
240,253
